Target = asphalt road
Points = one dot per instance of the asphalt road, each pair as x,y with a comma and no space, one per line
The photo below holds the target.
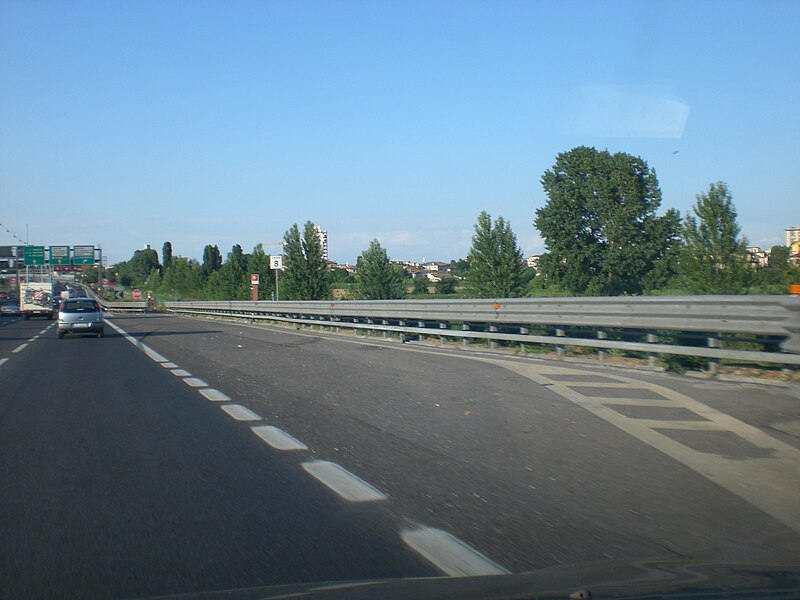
209,455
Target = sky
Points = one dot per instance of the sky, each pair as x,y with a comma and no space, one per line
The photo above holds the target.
199,122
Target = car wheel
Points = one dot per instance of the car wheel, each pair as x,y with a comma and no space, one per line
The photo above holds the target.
60,335
101,334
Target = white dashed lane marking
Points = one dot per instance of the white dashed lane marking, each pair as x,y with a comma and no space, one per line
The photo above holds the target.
169,365
214,395
240,413
195,382
278,438
19,348
448,553
3,360
181,373
343,482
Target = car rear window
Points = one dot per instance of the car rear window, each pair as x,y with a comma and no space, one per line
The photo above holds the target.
80,306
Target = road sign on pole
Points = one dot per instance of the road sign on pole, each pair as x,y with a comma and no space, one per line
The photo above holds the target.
83,255
137,294
59,255
276,262
254,279
34,255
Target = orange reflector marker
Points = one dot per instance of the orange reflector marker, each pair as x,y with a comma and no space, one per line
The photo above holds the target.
794,289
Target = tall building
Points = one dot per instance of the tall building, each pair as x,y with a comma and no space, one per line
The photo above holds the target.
792,235
323,241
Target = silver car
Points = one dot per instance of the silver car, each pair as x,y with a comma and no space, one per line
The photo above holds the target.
80,315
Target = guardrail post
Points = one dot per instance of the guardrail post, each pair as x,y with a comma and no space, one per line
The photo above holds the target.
492,343
602,353
652,338
713,342
421,324
441,337
465,341
522,331
402,333
560,347
369,322
384,322
792,325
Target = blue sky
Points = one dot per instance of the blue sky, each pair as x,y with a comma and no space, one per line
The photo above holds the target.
133,122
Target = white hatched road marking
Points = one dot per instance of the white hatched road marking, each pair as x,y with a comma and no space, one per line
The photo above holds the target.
214,395
19,348
771,484
343,482
240,413
278,438
448,553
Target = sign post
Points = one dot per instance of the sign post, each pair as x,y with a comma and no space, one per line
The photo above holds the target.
254,287
276,264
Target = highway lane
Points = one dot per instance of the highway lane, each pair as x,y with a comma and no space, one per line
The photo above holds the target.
120,480
513,463
147,486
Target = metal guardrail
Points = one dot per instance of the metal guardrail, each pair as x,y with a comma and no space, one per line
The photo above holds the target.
775,319
114,306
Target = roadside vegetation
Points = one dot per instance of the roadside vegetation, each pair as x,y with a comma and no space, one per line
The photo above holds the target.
602,225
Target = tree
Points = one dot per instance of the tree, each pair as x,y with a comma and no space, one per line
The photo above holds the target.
495,260
446,286
166,255
376,277
600,225
420,285
306,275
142,264
714,257
212,259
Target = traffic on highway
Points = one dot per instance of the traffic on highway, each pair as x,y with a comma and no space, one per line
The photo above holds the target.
183,456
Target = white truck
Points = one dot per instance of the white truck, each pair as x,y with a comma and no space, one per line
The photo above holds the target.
36,299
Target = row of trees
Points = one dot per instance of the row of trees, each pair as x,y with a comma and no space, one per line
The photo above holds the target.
601,226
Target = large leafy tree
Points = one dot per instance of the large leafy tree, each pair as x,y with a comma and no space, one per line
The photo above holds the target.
714,257
305,275
166,255
496,267
212,259
376,277
600,225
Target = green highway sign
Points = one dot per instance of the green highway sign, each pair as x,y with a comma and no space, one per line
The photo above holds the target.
59,255
83,255
34,255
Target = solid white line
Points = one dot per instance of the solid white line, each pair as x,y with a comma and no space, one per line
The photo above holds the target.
34,338
278,438
181,373
214,395
144,347
43,331
240,413
169,365
448,553
342,481
3,360
20,347
195,382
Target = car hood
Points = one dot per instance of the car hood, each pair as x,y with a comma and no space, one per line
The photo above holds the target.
672,579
